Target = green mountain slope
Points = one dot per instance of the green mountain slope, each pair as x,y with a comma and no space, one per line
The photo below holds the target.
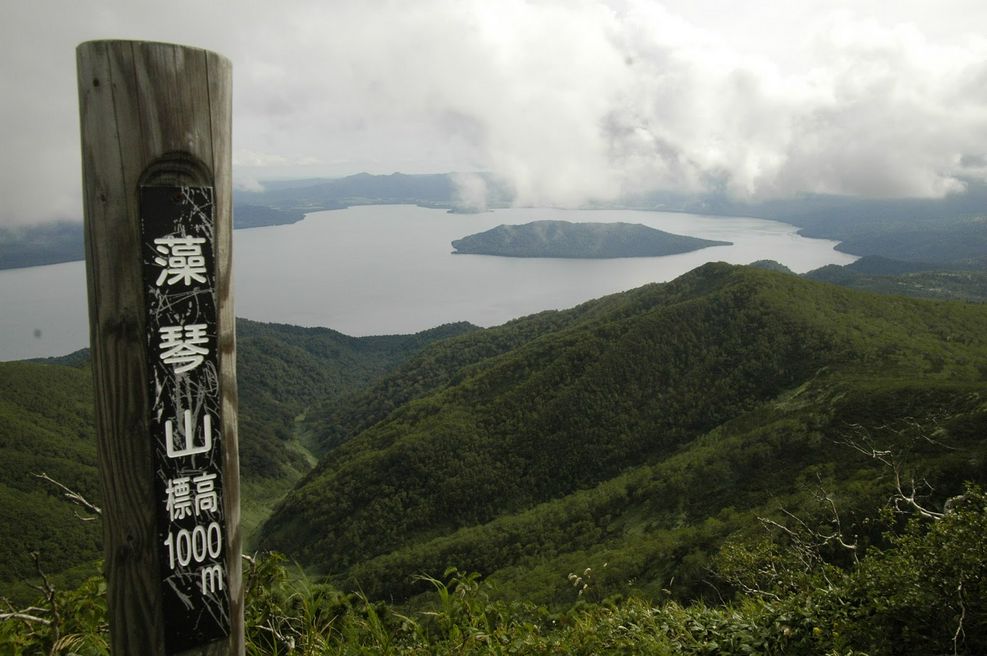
659,527
282,369
652,421
47,425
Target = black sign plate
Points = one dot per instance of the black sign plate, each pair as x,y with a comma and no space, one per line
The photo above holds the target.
186,422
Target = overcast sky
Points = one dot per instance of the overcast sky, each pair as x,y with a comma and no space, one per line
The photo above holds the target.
568,100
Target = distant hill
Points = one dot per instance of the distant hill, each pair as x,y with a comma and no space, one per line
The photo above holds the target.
53,243
429,190
579,240
883,275
949,232
258,216
50,243
915,279
945,232
640,431
47,425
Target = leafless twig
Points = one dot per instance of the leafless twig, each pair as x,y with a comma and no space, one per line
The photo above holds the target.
73,497
902,498
48,590
25,617
959,627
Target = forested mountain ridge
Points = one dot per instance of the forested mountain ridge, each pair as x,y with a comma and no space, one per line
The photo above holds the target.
610,393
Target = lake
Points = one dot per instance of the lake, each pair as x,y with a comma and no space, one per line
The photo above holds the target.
385,269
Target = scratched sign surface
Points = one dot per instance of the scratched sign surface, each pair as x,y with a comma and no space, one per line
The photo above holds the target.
186,424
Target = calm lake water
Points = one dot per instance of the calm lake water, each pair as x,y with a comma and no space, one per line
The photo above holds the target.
384,269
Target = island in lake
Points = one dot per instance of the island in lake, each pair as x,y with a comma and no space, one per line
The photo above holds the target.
579,240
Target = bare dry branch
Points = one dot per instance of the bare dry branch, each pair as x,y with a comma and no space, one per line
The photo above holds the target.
960,633
24,617
902,499
838,535
48,590
73,497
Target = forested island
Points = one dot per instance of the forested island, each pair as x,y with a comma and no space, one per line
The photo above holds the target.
579,240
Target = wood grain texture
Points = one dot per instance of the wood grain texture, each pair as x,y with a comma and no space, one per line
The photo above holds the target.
144,104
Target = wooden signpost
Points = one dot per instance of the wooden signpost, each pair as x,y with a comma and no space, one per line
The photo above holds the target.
155,122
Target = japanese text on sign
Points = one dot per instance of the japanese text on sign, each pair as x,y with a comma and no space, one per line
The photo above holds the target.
186,421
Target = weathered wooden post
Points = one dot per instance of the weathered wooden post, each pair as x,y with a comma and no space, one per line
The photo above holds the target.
155,122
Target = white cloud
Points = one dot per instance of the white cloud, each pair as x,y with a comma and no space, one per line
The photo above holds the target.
471,192
568,101
876,114
247,158
246,183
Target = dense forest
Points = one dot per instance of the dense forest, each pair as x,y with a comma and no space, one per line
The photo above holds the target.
738,461
47,424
